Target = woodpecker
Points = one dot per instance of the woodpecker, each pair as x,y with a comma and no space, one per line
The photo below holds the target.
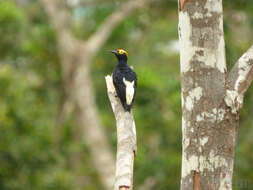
124,80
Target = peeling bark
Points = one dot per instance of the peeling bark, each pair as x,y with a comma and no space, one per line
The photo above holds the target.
126,135
239,80
211,97
182,4
196,181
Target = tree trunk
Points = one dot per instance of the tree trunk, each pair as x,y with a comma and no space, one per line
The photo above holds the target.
80,96
95,136
209,106
126,136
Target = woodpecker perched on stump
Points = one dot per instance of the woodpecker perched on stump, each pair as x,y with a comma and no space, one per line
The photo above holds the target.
124,80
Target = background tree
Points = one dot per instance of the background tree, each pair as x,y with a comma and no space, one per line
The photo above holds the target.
211,96
76,57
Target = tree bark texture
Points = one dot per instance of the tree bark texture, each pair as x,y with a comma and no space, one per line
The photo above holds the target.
126,135
211,97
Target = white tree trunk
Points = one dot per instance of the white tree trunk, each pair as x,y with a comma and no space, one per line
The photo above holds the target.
126,135
211,98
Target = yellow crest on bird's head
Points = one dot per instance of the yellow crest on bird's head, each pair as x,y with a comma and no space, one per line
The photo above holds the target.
121,52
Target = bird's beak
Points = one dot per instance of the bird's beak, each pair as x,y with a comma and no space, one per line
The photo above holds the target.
114,52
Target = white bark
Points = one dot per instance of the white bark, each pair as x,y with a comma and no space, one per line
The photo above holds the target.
211,98
202,43
239,80
203,68
126,134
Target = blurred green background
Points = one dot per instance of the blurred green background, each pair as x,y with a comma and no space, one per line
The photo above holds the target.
30,94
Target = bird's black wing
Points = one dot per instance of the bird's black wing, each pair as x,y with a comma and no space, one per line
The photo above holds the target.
119,74
119,85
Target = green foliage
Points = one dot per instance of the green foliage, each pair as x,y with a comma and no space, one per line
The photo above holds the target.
11,22
30,91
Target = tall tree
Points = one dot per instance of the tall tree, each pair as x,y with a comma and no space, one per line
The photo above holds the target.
76,56
211,96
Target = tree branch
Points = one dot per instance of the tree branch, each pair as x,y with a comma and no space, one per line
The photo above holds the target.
241,75
126,134
60,19
239,80
112,21
59,16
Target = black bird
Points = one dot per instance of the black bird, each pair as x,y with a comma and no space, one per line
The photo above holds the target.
124,80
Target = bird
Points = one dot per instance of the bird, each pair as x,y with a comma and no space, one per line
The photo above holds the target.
124,80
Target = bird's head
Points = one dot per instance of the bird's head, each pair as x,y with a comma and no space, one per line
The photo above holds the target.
120,54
